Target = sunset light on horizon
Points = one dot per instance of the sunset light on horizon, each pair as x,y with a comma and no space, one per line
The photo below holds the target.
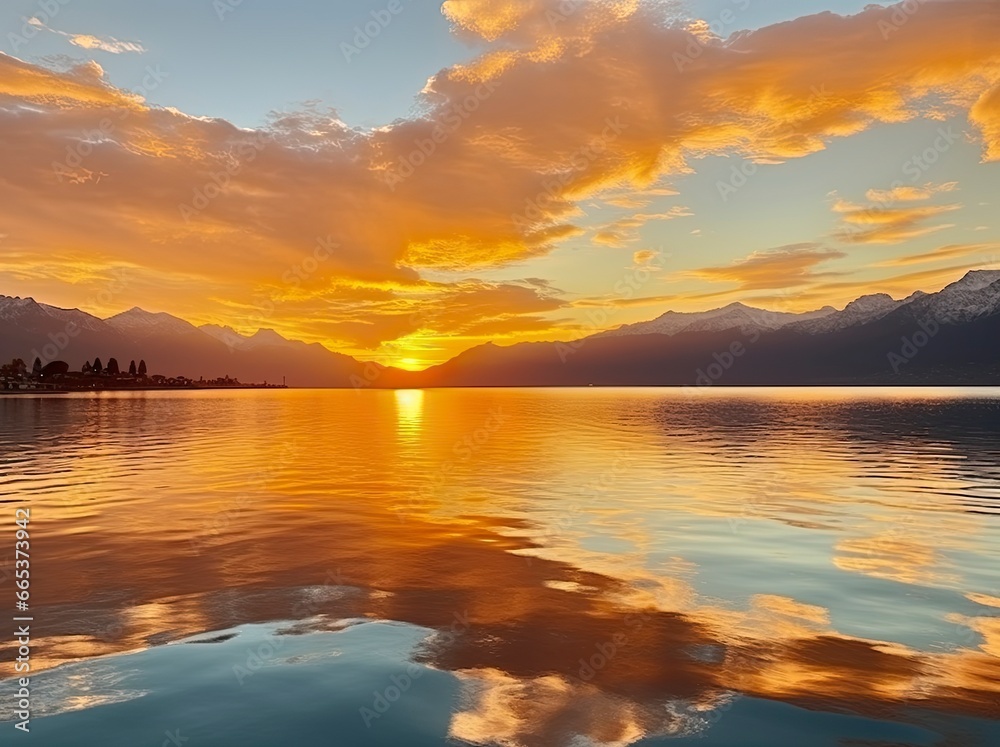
684,156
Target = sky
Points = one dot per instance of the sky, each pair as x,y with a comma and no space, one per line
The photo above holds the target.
403,180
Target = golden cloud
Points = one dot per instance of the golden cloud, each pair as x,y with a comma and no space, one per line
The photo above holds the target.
879,225
87,41
988,254
609,101
785,267
534,20
908,193
986,115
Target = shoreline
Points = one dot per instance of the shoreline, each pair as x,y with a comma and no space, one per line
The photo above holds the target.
690,388
152,388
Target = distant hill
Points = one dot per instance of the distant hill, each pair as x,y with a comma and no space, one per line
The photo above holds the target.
169,345
734,316
949,337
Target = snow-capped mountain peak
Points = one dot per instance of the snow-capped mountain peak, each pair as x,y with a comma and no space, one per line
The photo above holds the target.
734,316
16,308
12,307
268,337
871,304
860,311
137,322
228,335
232,338
975,280
975,295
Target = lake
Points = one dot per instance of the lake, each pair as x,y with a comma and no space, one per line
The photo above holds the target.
517,567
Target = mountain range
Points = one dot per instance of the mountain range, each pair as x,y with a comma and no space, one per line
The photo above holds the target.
169,345
948,337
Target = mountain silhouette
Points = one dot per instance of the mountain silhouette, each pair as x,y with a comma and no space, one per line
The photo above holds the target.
945,338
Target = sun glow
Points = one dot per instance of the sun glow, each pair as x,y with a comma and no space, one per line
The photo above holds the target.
409,410
412,364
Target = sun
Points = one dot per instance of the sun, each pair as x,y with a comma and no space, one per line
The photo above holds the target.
411,364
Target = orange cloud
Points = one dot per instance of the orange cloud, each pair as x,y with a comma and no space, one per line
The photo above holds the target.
531,20
611,238
986,115
82,86
610,100
785,267
988,254
878,225
908,193
644,256
87,41
838,293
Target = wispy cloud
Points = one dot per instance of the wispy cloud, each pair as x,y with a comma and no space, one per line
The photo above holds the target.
644,256
882,225
620,232
952,251
986,114
897,286
636,199
87,41
907,193
784,267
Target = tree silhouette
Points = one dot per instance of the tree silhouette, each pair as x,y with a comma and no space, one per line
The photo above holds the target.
113,369
55,368
98,366
142,368
131,368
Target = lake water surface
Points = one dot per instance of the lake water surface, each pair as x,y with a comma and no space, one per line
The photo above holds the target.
536,568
